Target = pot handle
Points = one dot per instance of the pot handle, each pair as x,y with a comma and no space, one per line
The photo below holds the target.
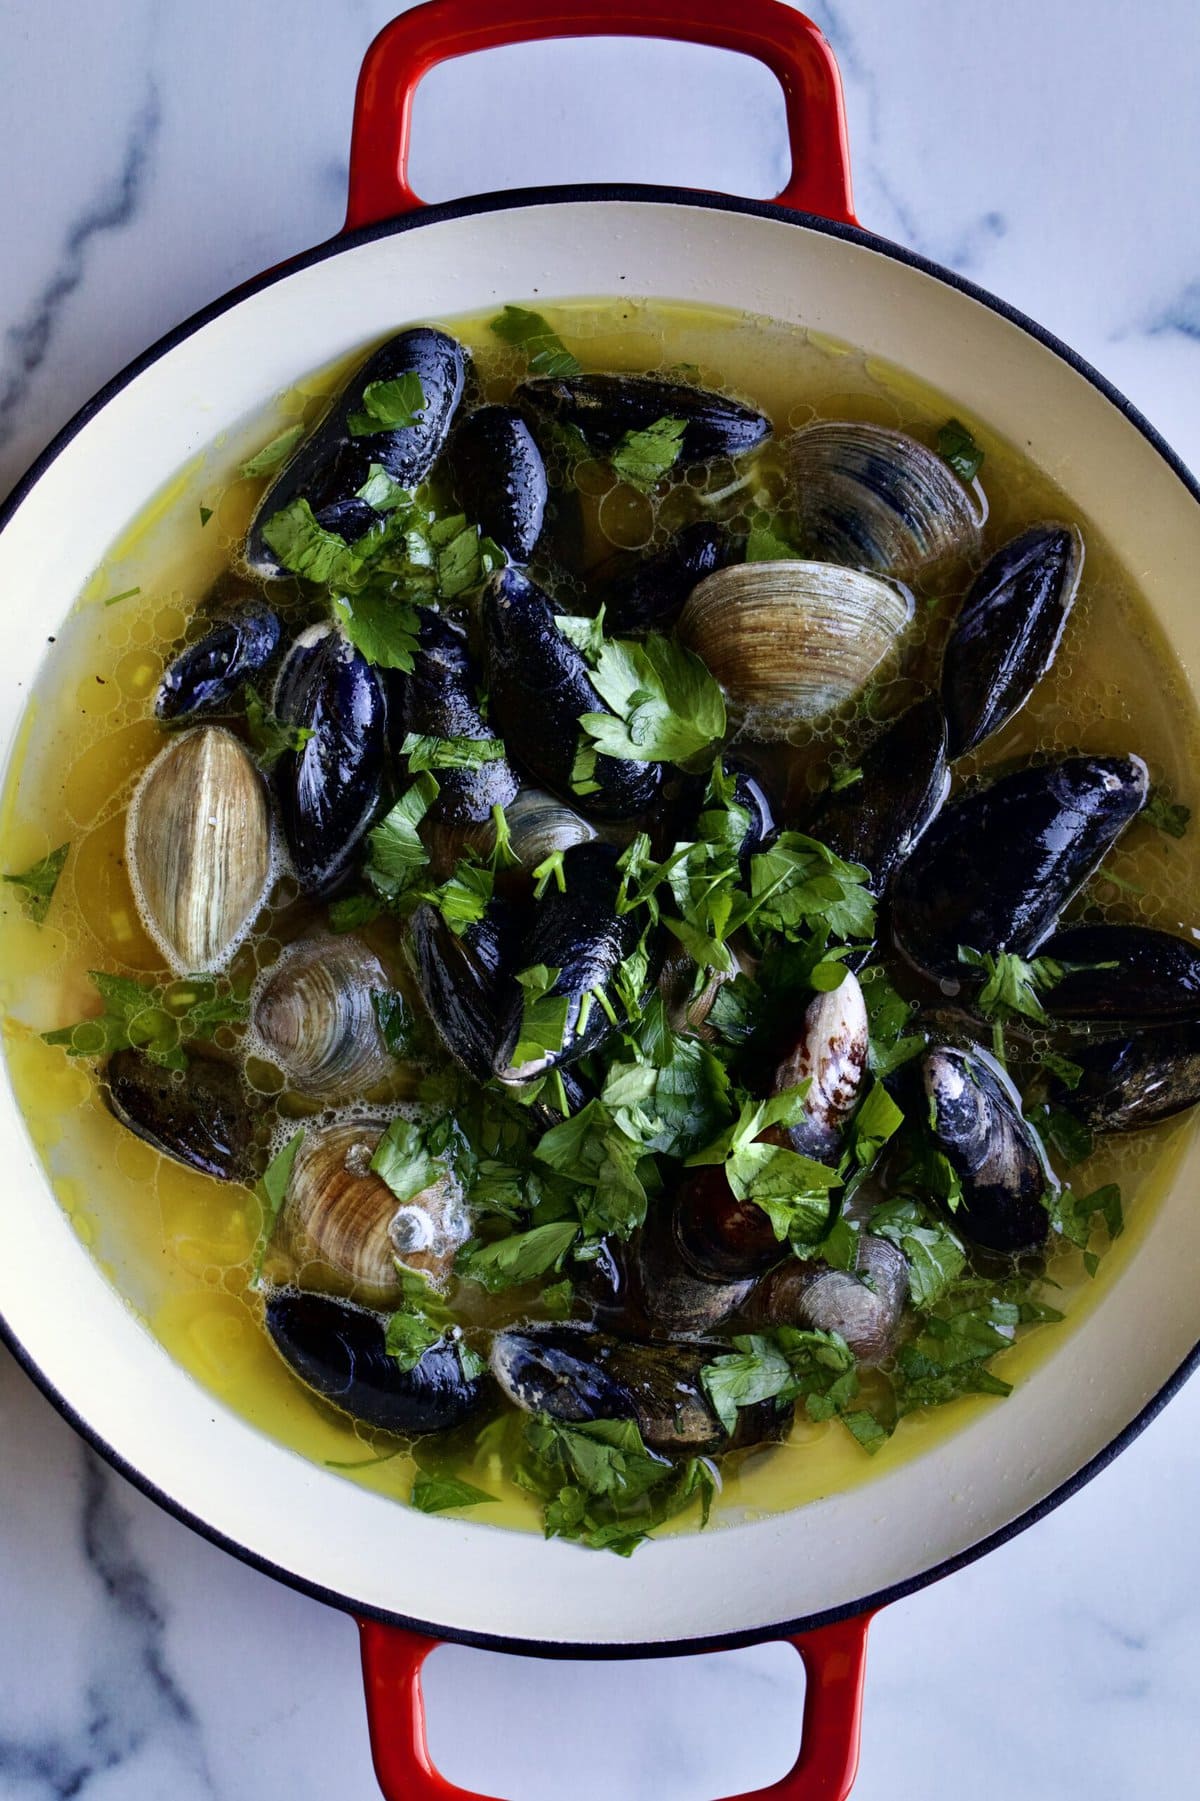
834,1666
788,43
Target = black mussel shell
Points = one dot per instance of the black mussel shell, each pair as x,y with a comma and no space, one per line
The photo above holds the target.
202,678
1134,1081
331,789
877,820
578,931
465,982
1007,631
438,699
995,869
650,597
340,1351
605,407
539,687
1156,980
199,1116
332,463
748,792
500,478
976,1119
575,1374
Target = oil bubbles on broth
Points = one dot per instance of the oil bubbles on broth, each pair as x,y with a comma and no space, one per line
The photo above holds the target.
90,735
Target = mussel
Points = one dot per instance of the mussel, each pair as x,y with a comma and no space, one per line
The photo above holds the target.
539,686
575,1374
650,596
439,699
605,407
340,1351
790,641
995,869
863,1305
331,789
577,932
342,1228
976,1119
1135,1080
199,1116
465,982
1008,631
500,478
829,1052
876,820
873,498
334,460
198,848
717,1236
1130,975
207,674
313,1015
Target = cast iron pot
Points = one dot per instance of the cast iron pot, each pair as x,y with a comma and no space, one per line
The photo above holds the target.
814,1575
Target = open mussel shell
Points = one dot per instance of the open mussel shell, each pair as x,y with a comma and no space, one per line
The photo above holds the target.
996,868
650,596
342,1229
465,981
198,848
864,1305
314,1016
1008,631
333,462
539,686
1133,975
500,478
605,407
331,789
975,1117
577,931
575,1374
790,641
1134,1081
874,498
829,1052
340,1351
199,1116
439,699
876,820
205,676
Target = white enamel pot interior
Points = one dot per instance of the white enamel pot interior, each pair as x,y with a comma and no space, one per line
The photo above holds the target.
308,1524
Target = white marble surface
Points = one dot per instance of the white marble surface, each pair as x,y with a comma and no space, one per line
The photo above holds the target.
155,154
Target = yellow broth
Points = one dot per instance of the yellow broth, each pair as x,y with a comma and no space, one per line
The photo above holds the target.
177,1245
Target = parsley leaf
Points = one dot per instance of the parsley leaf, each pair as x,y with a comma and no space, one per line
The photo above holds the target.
602,1161
428,752
665,704
273,454
786,1364
888,1015
1012,985
388,406
1069,1136
673,1104
956,446
206,514
792,1190
403,1160
305,547
1075,1216
521,1257
600,1484
548,355
642,458
39,882
935,1254
437,1494
270,736
765,542
271,1189
150,1017
798,883
395,852
383,628
1170,816
394,1020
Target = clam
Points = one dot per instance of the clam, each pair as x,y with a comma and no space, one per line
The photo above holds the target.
1008,631
1134,1081
650,596
791,641
539,825
995,869
500,478
863,1305
976,1119
314,1016
343,1229
830,1054
199,1116
876,821
206,675
575,1374
1131,975
465,981
198,848
874,498
340,1351
605,407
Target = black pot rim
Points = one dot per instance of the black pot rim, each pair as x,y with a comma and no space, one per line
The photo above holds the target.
515,200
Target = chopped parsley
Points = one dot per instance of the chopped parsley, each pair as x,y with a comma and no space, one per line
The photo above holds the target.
528,331
382,628
956,446
39,881
125,594
424,752
271,1189
789,1364
273,454
395,854
1170,816
602,1487
206,514
642,458
159,1019
767,542
438,1494
665,704
388,406
269,736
